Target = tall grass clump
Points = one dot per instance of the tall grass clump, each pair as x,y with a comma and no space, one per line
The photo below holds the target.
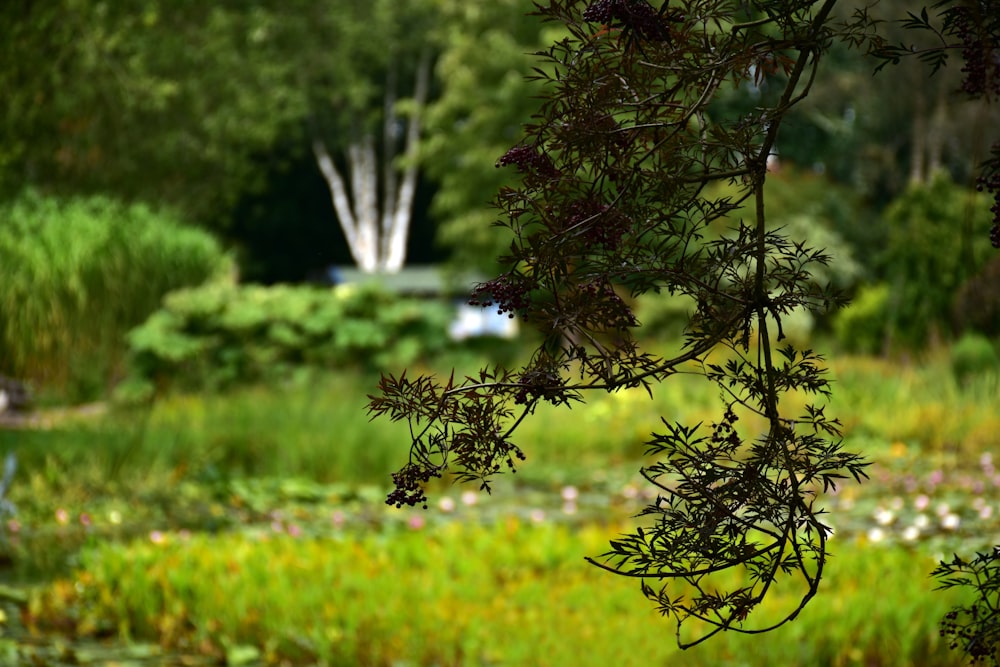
77,274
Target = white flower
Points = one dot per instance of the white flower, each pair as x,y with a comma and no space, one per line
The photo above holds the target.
921,521
876,535
884,517
950,521
446,504
911,533
470,498
985,512
569,493
537,515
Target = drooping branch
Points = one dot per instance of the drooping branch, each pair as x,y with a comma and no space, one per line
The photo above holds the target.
614,198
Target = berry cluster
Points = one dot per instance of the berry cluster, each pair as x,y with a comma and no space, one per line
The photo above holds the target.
604,226
725,431
973,637
538,384
607,308
982,60
990,182
507,293
409,485
638,16
529,160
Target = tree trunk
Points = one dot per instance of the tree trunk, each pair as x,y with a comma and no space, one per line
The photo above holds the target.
918,146
399,226
377,235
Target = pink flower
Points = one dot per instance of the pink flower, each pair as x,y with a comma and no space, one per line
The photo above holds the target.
85,519
416,522
156,537
294,530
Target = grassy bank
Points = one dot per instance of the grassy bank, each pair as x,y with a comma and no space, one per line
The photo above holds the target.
509,593
251,523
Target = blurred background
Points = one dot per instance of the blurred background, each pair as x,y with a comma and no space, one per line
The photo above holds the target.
219,222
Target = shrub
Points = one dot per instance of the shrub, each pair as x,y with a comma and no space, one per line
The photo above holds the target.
935,244
220,335
77,275
973,355
977,305
861,326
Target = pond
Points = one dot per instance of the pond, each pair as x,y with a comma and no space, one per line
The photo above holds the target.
904,505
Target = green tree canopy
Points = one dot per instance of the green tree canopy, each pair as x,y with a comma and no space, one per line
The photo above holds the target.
163,101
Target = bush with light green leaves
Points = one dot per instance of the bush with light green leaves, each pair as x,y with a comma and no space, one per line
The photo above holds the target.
222,335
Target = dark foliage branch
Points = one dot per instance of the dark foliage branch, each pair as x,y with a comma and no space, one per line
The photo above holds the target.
612,203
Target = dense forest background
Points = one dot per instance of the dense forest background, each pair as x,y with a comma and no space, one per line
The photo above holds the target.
219,118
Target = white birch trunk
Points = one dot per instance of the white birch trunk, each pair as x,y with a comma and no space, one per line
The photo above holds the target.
403,213
377,238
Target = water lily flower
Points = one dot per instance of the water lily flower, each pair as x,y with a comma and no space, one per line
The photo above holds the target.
911,533
950,521
62,516
569,493
446,504
470,498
